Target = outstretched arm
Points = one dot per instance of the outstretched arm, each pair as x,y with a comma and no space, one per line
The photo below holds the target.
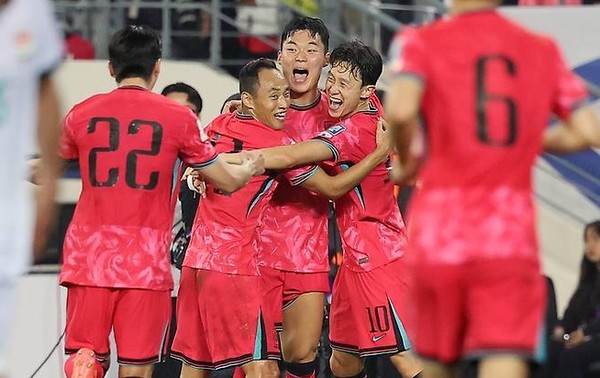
232,177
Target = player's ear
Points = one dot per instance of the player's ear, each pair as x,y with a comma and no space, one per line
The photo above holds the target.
367,91
156,69
327,55
279,56
247,100
111,70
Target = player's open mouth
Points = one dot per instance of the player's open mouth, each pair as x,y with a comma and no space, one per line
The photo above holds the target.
280,116
300,75
335,104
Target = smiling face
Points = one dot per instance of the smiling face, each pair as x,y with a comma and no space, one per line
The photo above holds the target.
346,93
302,57
271,98
592,244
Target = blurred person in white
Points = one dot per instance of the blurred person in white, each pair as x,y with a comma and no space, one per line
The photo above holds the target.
31,47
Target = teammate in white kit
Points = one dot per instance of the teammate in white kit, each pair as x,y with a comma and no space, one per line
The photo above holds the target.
31,47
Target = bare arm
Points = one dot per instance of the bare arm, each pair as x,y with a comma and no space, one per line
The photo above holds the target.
402,112
303,153
336,186
48,134
232,177
580,131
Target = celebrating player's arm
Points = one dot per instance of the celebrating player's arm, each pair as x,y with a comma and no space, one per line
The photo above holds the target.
579,131
314,151
230,177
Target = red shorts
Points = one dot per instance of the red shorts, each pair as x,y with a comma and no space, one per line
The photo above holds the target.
281,288
139,318
367,310
478,308
220,321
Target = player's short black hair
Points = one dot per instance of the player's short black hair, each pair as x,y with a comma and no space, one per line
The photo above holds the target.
361,60
249,73
193,96
315,26
133,52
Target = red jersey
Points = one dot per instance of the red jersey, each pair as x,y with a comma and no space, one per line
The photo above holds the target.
371,227
486,104
128,143
293,230
224,235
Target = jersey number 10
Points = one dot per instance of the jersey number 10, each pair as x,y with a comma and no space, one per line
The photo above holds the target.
132,156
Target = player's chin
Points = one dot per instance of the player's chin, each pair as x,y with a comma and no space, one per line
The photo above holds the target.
277,123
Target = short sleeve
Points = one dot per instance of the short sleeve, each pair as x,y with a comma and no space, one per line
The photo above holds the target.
51,46
195,152
297,176
339,139
570,93
407,54
68,145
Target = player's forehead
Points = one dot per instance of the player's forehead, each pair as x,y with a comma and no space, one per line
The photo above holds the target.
304,37
272,80
345,71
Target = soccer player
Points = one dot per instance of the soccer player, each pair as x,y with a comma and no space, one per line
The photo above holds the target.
293,233
220,300
477,290
116,263
369,293
31,48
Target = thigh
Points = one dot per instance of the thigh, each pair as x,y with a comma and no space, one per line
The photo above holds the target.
141,325
436,313
506,302
302,326
229,322
89,319
373,305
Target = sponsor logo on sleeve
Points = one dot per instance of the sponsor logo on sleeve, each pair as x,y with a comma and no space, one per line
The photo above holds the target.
333,131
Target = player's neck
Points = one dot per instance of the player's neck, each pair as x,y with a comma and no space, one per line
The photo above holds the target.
363,106
472,6
306,98
134,82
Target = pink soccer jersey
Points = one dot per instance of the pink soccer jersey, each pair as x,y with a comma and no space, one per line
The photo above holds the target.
485,108
372,229
224,233
128,143
293,231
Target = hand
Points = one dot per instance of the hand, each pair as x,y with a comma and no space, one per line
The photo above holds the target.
575,338
382,136
232,106
557,333
255,160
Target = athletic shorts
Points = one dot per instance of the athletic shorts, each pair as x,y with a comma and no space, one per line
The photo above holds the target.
139,319
220,321
367,310
281,288
476,309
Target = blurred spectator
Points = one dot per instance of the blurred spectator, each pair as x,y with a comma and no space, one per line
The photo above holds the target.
190,32
257,21
76,46
577,338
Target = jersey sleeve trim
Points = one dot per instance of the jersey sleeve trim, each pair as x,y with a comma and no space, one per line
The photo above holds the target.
205,164
331,146
300,179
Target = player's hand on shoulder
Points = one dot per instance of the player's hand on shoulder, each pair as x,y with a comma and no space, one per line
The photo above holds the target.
232,106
